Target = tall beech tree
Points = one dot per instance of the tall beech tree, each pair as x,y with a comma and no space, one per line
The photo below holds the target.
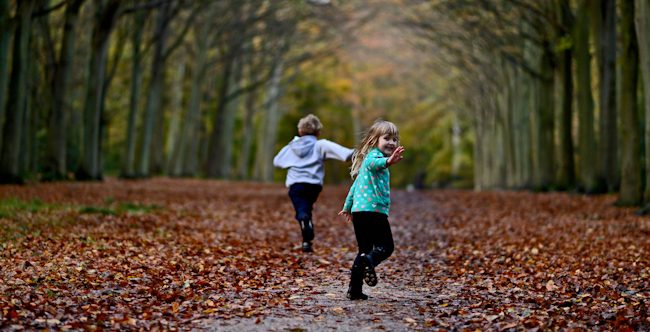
586,130
631,185
153,107
106,14
603,22
55,161
6,27
11,169
564,78
642,23
139,18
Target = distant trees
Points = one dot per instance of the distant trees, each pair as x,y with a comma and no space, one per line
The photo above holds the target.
200,88
544,47
120,107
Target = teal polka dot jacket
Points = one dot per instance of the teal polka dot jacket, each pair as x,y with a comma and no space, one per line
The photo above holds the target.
370,191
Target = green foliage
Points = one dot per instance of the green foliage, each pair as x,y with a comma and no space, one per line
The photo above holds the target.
427,136
97,210
20,218
121,208
11,207
137,208
563,43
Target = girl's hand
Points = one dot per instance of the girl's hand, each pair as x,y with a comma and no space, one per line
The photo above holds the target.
346,214
396,156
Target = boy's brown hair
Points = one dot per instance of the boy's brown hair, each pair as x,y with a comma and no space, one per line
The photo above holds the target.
309,125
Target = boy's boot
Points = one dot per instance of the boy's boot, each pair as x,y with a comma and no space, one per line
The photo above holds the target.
307,229
307,247
356,284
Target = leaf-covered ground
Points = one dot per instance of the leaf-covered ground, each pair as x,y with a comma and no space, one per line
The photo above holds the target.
191,254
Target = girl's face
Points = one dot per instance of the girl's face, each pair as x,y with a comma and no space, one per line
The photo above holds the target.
387,144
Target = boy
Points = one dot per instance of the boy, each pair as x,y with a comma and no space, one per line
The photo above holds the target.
304,156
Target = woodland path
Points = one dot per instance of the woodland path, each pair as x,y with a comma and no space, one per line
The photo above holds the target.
396,304
215,255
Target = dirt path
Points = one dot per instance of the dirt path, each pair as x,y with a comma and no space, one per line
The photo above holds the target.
487,261
190,254
395,304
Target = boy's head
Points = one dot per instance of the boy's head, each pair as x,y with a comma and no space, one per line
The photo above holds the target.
309,125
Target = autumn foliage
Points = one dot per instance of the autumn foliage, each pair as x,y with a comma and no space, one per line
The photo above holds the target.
188,254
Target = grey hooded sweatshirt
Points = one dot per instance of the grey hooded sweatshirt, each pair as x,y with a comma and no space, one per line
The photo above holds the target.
304,157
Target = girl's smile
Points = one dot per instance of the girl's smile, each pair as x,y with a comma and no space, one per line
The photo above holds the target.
387,144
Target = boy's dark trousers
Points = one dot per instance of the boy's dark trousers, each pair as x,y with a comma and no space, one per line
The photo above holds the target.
375,241
303,196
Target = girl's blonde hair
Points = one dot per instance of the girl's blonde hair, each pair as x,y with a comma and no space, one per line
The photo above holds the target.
369,141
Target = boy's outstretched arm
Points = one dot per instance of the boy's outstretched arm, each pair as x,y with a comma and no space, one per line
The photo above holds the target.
281,160
331,150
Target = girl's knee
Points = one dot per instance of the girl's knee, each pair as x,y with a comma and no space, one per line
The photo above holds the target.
386,250
389,250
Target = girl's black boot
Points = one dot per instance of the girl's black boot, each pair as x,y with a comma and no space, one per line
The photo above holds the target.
368,270
356,284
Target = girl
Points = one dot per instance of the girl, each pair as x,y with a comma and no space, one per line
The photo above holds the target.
368,202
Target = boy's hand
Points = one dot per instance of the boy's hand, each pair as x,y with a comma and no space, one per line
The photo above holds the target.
396,156
346,214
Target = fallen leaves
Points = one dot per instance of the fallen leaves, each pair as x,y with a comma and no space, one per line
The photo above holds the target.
535,259
173,252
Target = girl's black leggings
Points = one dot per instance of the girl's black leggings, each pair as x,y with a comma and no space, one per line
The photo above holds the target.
374,236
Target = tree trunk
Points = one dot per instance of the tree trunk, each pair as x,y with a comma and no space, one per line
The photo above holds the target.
528,109
55,160
189,140
478,154
6,27
631,190
175,121
14,125
545,126
268,130
487,149
507,110
603,20
499,157
456,148
586,134
642,20
153,109
566,165
225,166
216,143
247,131
515,131
107,13
128,168
29,151
526,102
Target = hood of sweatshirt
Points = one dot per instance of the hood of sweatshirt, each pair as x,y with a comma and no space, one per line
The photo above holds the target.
303,146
